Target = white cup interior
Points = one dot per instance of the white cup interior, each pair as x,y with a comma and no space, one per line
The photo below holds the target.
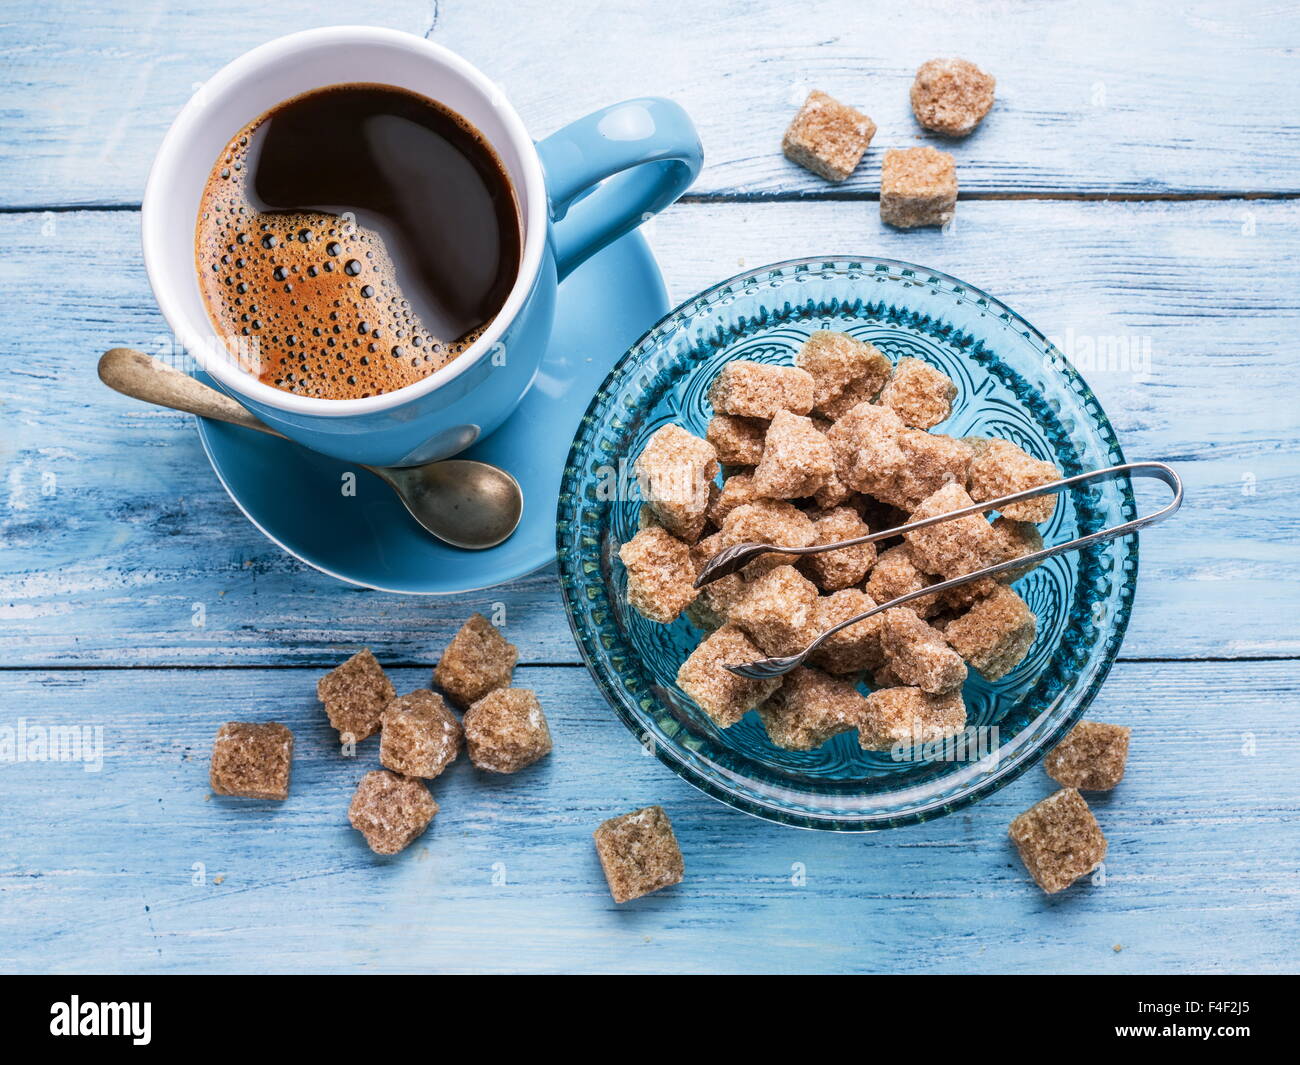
254,84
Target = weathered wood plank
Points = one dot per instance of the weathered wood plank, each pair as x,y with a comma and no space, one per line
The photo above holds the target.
1096,97
134,531
97,869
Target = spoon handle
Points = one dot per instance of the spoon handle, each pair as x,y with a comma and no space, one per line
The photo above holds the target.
141,376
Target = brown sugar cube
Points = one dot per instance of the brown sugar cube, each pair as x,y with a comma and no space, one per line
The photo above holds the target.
1059,840
963,597
854,648
639,853
737,490
660,574
833,570
477,660
828,137
930,460
506,731
1091,757
833,493
760,389
797,459
918,187
767,521
717,691
918,655
391,811
715,599
738,441
1000,468
895,574
251,760
918,393
776,610
355,695
809,708
954,547
995,634
713,605
907,717
840,363
676,471
867,453
420,736
951,96
1015,539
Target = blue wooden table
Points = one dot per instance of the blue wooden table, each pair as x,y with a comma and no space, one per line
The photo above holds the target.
1135,190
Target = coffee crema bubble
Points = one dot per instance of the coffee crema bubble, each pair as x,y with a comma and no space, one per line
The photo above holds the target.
354,240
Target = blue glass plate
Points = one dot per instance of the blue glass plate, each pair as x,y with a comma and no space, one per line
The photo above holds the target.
1011,383
370,539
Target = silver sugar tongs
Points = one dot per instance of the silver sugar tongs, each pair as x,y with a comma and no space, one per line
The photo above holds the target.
731,559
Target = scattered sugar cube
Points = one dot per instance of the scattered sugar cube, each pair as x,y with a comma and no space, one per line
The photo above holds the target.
776,611
676,472
1059,840
1015,539
660,574
907,717
1091,757
833,570
797,459
918,393
506,731
391,811
918,655
845,371
420,736
951,96
1000,468
355,695
477,660
954,547
251,760
639,853
895,574
995,634
828,137
737,490
930,460
865,443
738,441
721,694
852,649
760,389
809,708
918,187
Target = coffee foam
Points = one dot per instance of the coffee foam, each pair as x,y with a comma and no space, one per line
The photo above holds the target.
309,299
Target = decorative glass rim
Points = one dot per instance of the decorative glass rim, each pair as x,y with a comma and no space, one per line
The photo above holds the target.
976,781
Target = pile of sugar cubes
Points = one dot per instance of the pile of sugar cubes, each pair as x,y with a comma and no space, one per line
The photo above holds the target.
503,729
832,448
918,186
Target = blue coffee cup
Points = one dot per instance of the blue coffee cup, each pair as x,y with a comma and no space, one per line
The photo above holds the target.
579,189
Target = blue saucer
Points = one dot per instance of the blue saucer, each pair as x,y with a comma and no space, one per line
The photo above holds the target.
369,539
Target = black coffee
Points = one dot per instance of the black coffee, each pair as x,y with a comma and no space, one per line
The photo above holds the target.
355,239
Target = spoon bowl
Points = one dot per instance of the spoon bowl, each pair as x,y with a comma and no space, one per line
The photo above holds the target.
468,504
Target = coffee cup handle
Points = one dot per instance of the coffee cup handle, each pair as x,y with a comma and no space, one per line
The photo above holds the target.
614,169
